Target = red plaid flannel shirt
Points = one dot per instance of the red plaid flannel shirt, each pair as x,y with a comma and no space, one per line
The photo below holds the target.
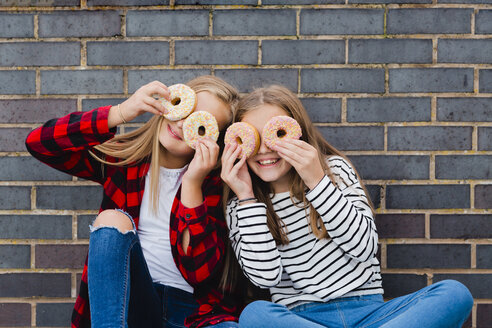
63,144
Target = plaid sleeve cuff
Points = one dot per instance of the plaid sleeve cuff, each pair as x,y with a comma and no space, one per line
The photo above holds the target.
191,215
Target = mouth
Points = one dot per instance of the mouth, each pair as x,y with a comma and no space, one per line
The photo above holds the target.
172,133
268,162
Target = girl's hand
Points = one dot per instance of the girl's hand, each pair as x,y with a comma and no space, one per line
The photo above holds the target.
204,160
236,175
304,158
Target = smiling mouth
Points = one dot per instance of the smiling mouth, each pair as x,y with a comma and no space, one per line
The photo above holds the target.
268,162
172,133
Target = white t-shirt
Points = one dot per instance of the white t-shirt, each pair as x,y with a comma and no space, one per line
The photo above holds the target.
153,230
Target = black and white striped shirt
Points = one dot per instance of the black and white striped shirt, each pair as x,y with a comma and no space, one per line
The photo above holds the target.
308,269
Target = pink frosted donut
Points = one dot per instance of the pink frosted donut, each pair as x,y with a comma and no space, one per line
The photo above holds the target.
245,135
199,125
183,102
280,127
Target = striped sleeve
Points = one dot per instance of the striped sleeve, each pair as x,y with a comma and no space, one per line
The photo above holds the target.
253,243
345,212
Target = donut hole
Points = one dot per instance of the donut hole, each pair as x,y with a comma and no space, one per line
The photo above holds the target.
201,131
281,133
176,101
239,141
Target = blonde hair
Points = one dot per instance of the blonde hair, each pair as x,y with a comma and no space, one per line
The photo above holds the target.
143,143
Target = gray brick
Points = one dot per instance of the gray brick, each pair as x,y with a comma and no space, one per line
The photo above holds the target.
430,138
15,256
40,3
323,110
88,104
80,82
34,110
429,21
349,137
91,3
254,22
83,222
392,167
483,21
392,109
14,169
53,314
167,23
428,256
303,52
401,225
15,198
485,138
342,80
464,2
483,198
474,282
484,260
391,1
70,198
36,227
16,25
431,80
464,51
341,21
390,51
80,24
39,54
17,82
12,139
15,314
484,315
485,83
211,52
374,192
248,79
216,2
396,285
35,284
138,78
464,109
128,53
461,226
427,196
464,167
61,256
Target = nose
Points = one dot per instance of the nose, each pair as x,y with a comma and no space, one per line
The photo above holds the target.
179,123
263,148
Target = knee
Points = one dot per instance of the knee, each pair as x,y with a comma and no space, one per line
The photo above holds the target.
113,218
457,293
256,314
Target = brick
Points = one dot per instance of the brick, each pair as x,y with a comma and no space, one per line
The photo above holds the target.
483,198
299,2
464,167
323,110
81,82
83,222
341,21
16,26
254,22
39,54
484,315
70,198
402,284
245,80
17,82
167,23
431,80
35,284
484,138
349,137
464,109
292,52
461,2
12,139
36,226
15,198
464,51
88,104
342,80
401,225
374,192
393,109
430,138
485,80
15,256
474,282
392,167
91,3
484,260
80,24
127,53
34,110
138,78
427,196
60,256
212,52
428,256
390,51
461,226
40,3
483,21
429,21
391,1
53,314
216,2
15,314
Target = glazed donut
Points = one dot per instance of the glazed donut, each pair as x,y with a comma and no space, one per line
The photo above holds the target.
199,125
245,135
182,104
280,127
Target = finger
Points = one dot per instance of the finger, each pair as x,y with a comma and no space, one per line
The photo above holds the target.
238,166
157,104
293,158
150,109
159,90
232,158
205,153
226,157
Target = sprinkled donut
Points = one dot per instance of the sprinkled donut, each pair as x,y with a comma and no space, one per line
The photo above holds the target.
279,127
199,125
183,102
245,135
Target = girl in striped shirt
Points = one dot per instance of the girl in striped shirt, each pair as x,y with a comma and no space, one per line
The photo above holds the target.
301,224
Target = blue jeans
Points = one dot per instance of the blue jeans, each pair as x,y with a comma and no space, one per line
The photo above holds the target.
445,304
